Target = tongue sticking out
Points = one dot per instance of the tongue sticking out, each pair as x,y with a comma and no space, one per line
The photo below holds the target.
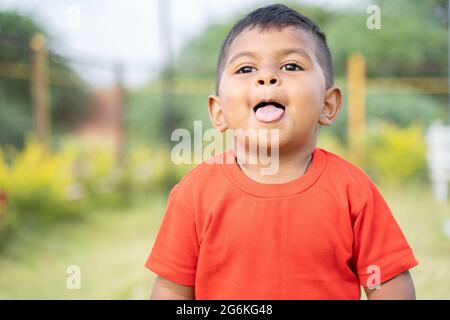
269,113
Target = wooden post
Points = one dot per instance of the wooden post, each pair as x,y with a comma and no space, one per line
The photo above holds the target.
39,87
356,77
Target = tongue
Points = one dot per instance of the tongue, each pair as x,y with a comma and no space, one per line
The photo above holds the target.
269,113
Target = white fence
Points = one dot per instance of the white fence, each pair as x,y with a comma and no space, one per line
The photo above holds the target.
438,140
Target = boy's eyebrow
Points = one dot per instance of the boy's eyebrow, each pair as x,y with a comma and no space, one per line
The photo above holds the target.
283,52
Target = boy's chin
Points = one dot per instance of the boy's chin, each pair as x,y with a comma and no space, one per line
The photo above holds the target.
286,143
277,145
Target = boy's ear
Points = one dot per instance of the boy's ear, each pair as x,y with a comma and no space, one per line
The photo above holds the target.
332,106
216,114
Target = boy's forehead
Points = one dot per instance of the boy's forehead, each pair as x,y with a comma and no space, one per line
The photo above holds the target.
270,41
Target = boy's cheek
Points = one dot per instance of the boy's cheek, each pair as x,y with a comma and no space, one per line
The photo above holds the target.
235,117
305,90
236,103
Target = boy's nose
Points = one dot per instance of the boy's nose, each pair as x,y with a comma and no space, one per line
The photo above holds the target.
267,79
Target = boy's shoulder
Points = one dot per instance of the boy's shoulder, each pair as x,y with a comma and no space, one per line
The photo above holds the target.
338,165
207,180
349,178
209,172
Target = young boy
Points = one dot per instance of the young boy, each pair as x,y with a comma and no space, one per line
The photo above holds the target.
316,229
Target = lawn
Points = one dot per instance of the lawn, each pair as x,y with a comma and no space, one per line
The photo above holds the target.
421,219
111,246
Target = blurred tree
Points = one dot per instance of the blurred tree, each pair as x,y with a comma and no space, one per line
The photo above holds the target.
15,93
412,42
412,39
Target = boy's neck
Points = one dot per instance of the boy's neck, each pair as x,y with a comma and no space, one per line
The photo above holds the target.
291,166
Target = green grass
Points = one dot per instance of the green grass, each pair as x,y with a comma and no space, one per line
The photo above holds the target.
111,246
421,219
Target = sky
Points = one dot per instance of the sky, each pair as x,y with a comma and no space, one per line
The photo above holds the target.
104,32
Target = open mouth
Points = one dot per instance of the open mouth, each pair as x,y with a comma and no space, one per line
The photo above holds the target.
268,111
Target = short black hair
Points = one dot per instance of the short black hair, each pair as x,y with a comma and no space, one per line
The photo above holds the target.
278,16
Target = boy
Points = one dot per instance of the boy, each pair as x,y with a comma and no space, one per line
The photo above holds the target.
316,229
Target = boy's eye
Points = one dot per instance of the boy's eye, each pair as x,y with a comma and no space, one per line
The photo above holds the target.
292,67
246,69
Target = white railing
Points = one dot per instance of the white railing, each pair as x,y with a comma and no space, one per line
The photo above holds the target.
438,156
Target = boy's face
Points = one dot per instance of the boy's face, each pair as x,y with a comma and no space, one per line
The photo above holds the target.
278,66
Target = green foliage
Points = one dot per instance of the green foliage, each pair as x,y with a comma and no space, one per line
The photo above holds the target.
412,38
404,109
144,116
396,155
66,102
42,186
199,57
393,155
14,120
36,182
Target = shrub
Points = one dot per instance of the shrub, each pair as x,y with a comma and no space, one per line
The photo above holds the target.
392,154
396,155
36,183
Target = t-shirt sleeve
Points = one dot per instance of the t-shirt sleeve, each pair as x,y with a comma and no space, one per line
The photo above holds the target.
381,251
175,250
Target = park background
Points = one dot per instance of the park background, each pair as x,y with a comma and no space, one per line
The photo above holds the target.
90,93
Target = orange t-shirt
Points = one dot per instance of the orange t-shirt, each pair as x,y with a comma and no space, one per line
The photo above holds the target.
319,236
